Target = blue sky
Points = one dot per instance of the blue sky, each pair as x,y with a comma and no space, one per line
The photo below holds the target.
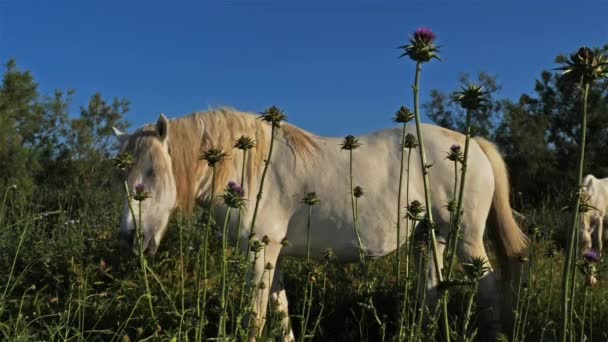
332,65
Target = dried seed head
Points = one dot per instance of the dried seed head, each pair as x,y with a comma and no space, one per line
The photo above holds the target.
471,97
213,155
311,198
244,143
358,192
123,161
273,115
350,143
403,115
410,141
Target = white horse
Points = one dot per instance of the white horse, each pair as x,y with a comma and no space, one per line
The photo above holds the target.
593,223
167,163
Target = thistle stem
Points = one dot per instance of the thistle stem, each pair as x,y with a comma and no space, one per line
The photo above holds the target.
401,167
354,207
458,214
259,195
569,264
427,195
222,325
238,235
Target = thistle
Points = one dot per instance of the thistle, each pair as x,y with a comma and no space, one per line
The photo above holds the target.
213,156
414,209
421,46
588,266
455,154
403,115
358,192
233,196
311,198
586,64
244,143
139,194
410,141
123,161
350,143
273,115
471,97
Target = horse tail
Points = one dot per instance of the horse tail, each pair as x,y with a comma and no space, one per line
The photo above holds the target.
507,238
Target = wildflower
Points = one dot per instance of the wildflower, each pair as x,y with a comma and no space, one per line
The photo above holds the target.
421,46
403,115
414,209
139,194
586,64
410,141
358,192
123,161
471,97
455,153
587,266
244,143
451,206
591,256
350,143
476,268
311,198
234,195
213,156
273,115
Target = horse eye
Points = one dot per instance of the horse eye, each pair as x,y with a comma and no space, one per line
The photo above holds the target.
150,173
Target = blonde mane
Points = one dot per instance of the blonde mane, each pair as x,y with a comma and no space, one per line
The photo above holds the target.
190,135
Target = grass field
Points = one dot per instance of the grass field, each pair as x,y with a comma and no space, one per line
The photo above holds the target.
64,279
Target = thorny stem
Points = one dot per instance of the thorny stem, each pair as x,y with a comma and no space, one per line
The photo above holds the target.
222,325
142,261
455,229
397,255
427,195
354,208
201,310
259,195
569,264
238,235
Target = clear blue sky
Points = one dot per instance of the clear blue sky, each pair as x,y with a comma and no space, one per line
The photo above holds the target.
332,65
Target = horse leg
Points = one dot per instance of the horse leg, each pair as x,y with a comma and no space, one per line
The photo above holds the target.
279,300
261,279
598,232
488,295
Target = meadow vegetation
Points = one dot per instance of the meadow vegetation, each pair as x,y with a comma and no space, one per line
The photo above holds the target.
65,279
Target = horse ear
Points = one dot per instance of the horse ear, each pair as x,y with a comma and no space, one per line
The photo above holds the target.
162,127
120,136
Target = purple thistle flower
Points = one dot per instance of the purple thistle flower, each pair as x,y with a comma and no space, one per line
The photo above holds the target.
591,256
139,188
236,188
455,148
424,34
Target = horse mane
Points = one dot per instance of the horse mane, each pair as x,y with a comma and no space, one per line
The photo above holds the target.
189,136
